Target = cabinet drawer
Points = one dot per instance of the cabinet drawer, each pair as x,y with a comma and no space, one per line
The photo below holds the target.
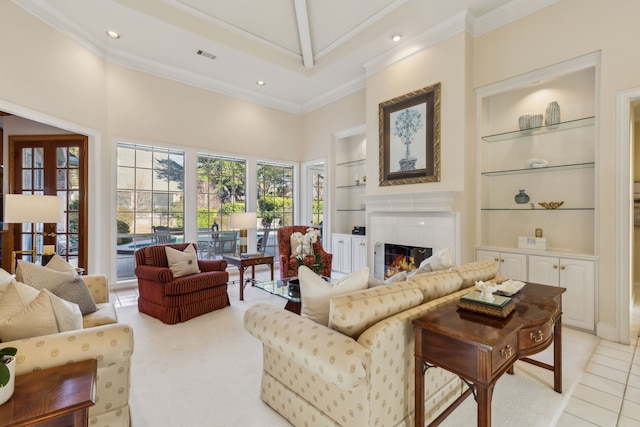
536,336
505,353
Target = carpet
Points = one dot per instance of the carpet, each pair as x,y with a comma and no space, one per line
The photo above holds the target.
206,373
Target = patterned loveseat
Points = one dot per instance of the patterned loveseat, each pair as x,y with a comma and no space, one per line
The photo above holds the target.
359,370
101,338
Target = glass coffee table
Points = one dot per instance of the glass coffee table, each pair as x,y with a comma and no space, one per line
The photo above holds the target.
287,288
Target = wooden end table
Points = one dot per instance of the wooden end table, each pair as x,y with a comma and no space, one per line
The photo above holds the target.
54,397
480,348
245,262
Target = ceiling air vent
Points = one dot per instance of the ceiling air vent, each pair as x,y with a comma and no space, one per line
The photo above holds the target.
206,54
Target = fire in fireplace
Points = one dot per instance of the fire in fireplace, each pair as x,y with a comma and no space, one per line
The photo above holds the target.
399,258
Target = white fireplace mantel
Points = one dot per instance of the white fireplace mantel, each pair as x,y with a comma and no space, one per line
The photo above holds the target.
427,201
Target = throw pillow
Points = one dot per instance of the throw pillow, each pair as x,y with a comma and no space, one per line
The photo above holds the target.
316,293
182,263
441,260
17,304
373,282
294,247
76,291
354,312
58,263
35,319
396,278
5,279
68,315
41,277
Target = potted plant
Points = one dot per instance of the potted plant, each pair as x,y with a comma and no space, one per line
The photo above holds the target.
7,370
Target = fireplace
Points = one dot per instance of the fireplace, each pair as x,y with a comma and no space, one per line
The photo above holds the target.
414,220
396,258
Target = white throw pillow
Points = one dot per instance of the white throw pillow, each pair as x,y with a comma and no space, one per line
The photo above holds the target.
35,319
68,314
41,277
396,278
58,263
183,263
316,293
441,260
5,279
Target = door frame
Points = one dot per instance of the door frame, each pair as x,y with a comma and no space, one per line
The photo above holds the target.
83,142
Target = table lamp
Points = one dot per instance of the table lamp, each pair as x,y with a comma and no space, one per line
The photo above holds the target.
243,221
32,208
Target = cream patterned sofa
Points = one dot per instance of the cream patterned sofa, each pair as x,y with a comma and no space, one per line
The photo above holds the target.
101,338
359,371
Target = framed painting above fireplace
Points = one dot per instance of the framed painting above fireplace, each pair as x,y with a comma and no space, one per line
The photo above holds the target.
409,129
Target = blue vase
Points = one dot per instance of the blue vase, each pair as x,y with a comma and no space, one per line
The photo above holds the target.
521,197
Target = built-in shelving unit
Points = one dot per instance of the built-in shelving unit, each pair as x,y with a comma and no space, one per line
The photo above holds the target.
349,252
566,152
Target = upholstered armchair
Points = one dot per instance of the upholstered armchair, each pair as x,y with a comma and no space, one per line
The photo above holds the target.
288,264
178,299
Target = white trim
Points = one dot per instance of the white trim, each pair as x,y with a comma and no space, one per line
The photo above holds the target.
624,228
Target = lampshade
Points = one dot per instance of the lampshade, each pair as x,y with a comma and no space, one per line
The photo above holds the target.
22,208
244,220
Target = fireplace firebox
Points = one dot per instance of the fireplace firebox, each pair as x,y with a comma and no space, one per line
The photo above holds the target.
391,258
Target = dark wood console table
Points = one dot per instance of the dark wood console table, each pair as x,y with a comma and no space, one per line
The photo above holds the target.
480,348
53,397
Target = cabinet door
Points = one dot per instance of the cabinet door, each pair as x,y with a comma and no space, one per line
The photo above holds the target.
544,270
578,301
488,256
341,247
358,253
510,265
513,266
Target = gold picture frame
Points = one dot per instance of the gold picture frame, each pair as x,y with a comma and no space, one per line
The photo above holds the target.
409,129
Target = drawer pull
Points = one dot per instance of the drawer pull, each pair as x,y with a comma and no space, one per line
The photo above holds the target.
506,352
539,338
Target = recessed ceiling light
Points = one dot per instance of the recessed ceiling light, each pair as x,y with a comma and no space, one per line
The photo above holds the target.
260,83
113,34
396,37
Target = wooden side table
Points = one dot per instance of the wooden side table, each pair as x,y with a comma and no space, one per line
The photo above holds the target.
480,348
54,397
245,262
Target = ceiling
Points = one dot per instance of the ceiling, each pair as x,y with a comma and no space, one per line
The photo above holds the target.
308,52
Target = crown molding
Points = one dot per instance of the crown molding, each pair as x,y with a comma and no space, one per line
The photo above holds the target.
507,13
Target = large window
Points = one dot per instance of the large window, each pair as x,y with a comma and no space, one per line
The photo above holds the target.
221,191
150,200
275,203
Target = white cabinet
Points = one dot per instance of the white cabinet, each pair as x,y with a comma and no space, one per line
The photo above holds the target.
341,250
510,265
358,252
578,277
349,252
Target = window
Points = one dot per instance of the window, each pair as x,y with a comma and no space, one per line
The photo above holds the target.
275,203
221,190
150,200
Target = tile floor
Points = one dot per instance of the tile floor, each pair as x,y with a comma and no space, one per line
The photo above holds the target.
608,394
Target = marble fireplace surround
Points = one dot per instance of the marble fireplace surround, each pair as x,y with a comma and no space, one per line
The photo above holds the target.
415,219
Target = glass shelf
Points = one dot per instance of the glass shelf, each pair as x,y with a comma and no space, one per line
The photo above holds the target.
350,210
571,124
544,169
538,209
352,186
359,162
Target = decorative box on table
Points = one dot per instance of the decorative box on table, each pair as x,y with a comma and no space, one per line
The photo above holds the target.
500,306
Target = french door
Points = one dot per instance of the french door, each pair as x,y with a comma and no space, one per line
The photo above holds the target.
51,165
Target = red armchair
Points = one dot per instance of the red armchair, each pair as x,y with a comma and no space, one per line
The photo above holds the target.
289,265
174,300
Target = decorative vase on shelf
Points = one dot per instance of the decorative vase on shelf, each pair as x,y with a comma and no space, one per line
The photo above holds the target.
521,197
552,116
